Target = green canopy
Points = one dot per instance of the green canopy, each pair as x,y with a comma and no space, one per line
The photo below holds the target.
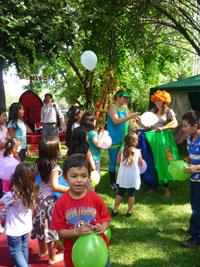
190,86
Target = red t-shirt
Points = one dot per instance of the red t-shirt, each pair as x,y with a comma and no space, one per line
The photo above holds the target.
69,213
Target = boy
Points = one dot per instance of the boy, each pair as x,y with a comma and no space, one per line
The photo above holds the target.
79,211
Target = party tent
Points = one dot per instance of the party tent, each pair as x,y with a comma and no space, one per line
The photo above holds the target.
185,94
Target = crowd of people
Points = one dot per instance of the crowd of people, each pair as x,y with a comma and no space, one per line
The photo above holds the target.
30,196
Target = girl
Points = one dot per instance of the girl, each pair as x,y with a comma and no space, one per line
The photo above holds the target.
19,203
128,177
191,128
3,131
89,123
74,117
78,144
49,152
8,165
17,128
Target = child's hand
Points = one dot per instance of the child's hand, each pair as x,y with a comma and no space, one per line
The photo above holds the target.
193,168
98,228
84,229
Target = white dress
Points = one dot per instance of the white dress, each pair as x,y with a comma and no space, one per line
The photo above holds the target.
129,176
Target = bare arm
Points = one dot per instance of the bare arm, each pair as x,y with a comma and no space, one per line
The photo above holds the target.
114,116
84,229
55,185
90,159
140,160
119,156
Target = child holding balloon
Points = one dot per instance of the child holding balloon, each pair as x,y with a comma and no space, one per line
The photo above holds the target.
128,177
79,211
191,128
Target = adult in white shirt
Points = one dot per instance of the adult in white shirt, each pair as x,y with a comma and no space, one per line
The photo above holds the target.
51,115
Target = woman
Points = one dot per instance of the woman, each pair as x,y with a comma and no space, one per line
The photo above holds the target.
161,140
117,117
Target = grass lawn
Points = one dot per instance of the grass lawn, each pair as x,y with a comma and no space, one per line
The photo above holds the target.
151,237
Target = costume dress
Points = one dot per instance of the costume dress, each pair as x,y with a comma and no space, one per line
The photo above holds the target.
160,143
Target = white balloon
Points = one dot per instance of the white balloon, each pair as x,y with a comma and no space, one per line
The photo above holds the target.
89,60
148,119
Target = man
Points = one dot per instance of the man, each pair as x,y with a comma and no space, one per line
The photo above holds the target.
51,115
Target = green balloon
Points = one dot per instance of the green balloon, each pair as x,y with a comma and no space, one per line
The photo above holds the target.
108,233
89,251
177,169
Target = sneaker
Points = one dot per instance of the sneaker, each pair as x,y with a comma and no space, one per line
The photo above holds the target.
114,186
114,213
190,243
129,214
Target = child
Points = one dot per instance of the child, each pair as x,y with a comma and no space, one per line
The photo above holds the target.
49,152
89,123
7,168
78,211
17,128
3,131
191,128
19,203
128,177
78,144
75,114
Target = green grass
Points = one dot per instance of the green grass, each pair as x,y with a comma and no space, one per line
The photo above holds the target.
151,237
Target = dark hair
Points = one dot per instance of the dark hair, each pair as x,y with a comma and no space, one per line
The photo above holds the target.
23,184
87,121
48,94
49,153
13,113
2,110
72,113
192,117
78,142
10,144
76,160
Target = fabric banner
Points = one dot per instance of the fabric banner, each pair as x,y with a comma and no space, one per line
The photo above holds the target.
127,130
162,143
150,176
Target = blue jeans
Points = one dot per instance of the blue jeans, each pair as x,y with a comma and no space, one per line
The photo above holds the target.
195,217
18,247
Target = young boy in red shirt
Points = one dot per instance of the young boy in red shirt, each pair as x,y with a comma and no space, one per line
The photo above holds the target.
79,211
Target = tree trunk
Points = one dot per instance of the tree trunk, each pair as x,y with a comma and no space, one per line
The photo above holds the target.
2,91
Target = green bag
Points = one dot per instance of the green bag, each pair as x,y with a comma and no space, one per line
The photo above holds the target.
161,143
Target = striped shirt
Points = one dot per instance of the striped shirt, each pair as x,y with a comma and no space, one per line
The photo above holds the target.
193,148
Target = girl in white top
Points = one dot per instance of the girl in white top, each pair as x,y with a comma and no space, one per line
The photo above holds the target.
19,202
3,131
128,177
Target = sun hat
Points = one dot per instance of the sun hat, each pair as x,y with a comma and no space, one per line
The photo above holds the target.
122,93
